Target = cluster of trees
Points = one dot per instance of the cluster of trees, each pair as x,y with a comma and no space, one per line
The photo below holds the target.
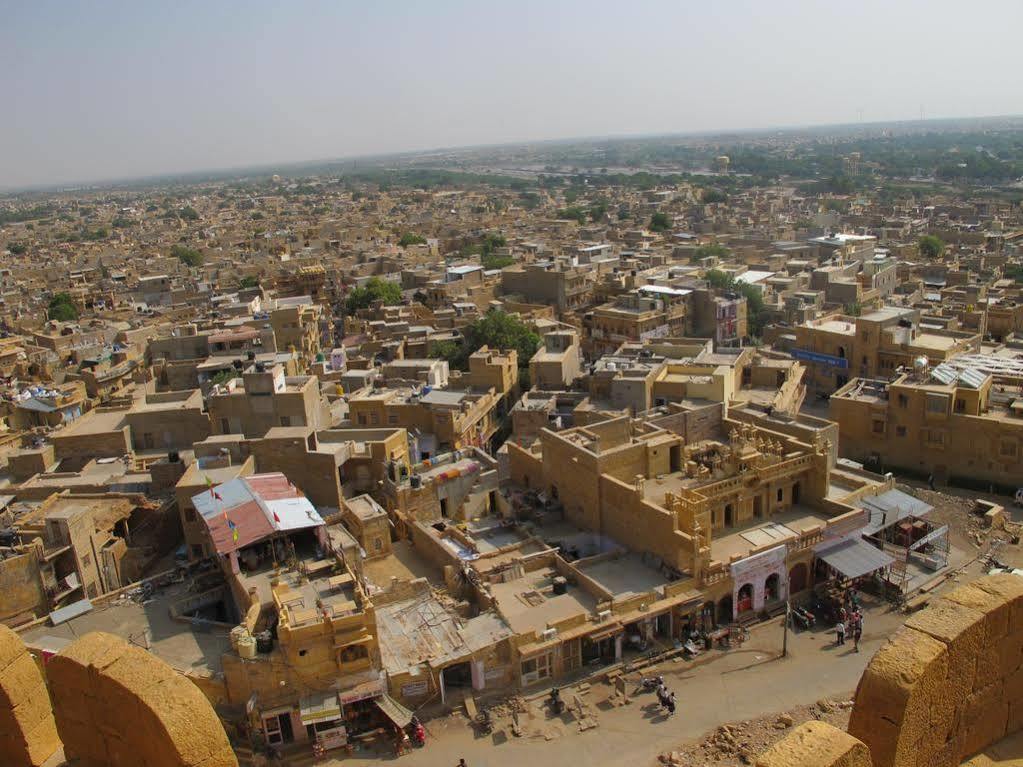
660,222
87,235
930,246
496,330
62,308
706,251
410,238
17,248
484,248
26,214
572,213
248,281
755,314
186,255
374,290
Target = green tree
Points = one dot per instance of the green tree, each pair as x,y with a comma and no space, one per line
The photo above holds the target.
660,222
186,255
223,376
497,262
931,246
491,242
496,330
410,238
755,314
248,281
713,249
17,248
375,289
188,213
719,280
62,308
713,195
572,214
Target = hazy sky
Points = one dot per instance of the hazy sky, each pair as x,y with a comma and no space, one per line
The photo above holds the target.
98,90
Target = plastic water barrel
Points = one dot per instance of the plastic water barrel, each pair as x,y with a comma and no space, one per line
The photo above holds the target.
236,634
247,647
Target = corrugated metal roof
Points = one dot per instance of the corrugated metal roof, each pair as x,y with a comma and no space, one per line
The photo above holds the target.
891,506
250,504
967,377
854,557
944,374
73,610
972,378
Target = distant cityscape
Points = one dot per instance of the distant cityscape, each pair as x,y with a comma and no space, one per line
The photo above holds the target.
498,454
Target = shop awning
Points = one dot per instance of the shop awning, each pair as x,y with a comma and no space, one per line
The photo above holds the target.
393,710
854,557
604,633
320,707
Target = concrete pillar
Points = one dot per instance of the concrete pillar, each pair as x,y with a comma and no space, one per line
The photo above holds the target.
618,647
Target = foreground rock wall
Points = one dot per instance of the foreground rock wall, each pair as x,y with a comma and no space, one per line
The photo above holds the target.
28,735
114,705
946,686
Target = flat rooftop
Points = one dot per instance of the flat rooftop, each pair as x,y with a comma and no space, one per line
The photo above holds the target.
188,648
780,528
529,605
100,423
624,576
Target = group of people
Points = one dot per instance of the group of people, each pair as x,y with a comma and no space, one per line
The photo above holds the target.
666,698
849,622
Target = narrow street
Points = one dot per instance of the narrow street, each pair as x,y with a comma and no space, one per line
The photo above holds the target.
737,685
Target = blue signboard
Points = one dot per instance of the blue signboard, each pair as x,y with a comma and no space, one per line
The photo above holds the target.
821,359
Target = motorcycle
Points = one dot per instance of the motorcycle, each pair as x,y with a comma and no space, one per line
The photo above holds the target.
555,703
417,734
651,683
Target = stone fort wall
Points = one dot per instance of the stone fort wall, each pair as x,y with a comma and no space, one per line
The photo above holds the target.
945,687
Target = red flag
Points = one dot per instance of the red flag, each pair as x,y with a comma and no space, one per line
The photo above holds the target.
276,518
217,496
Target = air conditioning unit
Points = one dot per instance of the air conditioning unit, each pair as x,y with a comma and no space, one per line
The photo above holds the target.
549,634
603,615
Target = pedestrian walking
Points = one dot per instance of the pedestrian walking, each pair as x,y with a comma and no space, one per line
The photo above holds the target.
930,481
857,629
671,704
461,763
840,632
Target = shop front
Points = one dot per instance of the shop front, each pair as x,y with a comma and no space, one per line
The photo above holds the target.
324,723
603,646
759,581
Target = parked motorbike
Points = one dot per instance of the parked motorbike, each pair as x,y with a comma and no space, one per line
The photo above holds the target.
555,703
651,683
417,733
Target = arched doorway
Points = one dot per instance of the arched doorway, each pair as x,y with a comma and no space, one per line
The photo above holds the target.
797,578
841,352
729,516
795,494
745,602
725,611
772,587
